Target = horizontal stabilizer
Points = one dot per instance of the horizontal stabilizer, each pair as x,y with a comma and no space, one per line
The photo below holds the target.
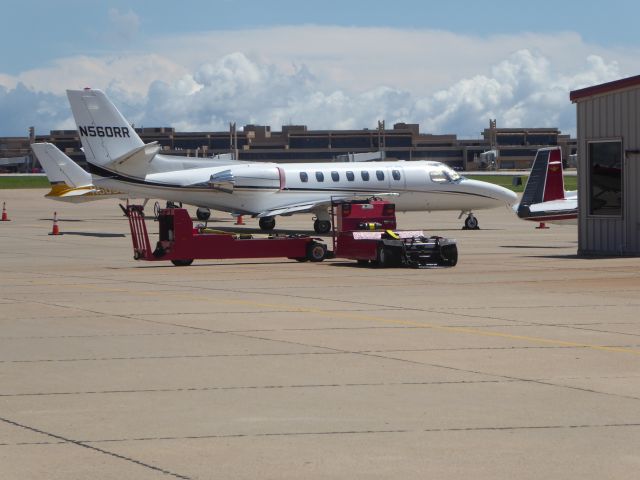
136,162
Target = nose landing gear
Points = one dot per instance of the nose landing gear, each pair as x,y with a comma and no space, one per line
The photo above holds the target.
471,222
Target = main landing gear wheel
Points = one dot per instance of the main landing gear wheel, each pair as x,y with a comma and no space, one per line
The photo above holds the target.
471,223
267,223
322,226
203,214
156,210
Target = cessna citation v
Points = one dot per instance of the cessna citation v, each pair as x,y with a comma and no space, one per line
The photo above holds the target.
121,161
544,198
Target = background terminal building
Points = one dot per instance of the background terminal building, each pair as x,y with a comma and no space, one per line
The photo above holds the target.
514,148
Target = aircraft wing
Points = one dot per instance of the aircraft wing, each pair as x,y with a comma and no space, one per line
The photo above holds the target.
308,206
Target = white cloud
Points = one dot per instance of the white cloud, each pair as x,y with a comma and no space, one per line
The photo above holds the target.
328,77
522,90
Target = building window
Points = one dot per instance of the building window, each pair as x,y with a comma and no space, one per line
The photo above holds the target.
380,175
335,176
350,176
605,178
304,177
395,174
365,175
320,176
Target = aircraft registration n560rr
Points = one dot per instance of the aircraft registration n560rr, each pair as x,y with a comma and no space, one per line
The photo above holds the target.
121,161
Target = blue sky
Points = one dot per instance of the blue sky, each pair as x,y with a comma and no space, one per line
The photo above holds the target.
449,66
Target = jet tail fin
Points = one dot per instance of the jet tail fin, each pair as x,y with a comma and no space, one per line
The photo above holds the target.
59,167
105,134
546,180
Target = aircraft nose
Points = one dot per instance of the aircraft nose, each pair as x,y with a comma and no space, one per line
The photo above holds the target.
498,194
504,194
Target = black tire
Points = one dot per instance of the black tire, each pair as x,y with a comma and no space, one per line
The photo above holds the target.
203,214
267,223
322,226
383,257
182,263
156,210
449,255
316,252
471,223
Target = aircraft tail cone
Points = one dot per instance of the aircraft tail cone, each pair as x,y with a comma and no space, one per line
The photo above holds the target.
239,220
5,217
55,230
542,226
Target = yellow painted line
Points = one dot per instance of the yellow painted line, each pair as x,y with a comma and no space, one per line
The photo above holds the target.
373,318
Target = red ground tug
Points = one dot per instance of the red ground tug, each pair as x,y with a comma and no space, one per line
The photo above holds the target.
365,231
181,243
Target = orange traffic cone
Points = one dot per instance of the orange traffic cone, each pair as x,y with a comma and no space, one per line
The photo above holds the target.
542,226
239,220
55,230
5,218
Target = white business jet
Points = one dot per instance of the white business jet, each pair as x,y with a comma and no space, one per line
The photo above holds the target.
121,161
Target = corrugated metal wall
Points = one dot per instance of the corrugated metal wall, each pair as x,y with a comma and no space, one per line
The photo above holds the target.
610,116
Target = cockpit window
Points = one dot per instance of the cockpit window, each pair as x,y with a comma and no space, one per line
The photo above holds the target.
438,176
445,175
452,174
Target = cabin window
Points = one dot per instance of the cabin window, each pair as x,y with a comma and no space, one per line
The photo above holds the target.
350,176
605,178
320,176
380,175
395,174
304,177
365,175
335,176
438,176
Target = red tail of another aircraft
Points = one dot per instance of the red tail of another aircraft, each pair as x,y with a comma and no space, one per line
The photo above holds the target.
554,185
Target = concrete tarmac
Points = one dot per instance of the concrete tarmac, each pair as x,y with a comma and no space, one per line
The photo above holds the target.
521,362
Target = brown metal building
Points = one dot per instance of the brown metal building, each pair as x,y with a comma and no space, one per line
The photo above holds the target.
608,127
